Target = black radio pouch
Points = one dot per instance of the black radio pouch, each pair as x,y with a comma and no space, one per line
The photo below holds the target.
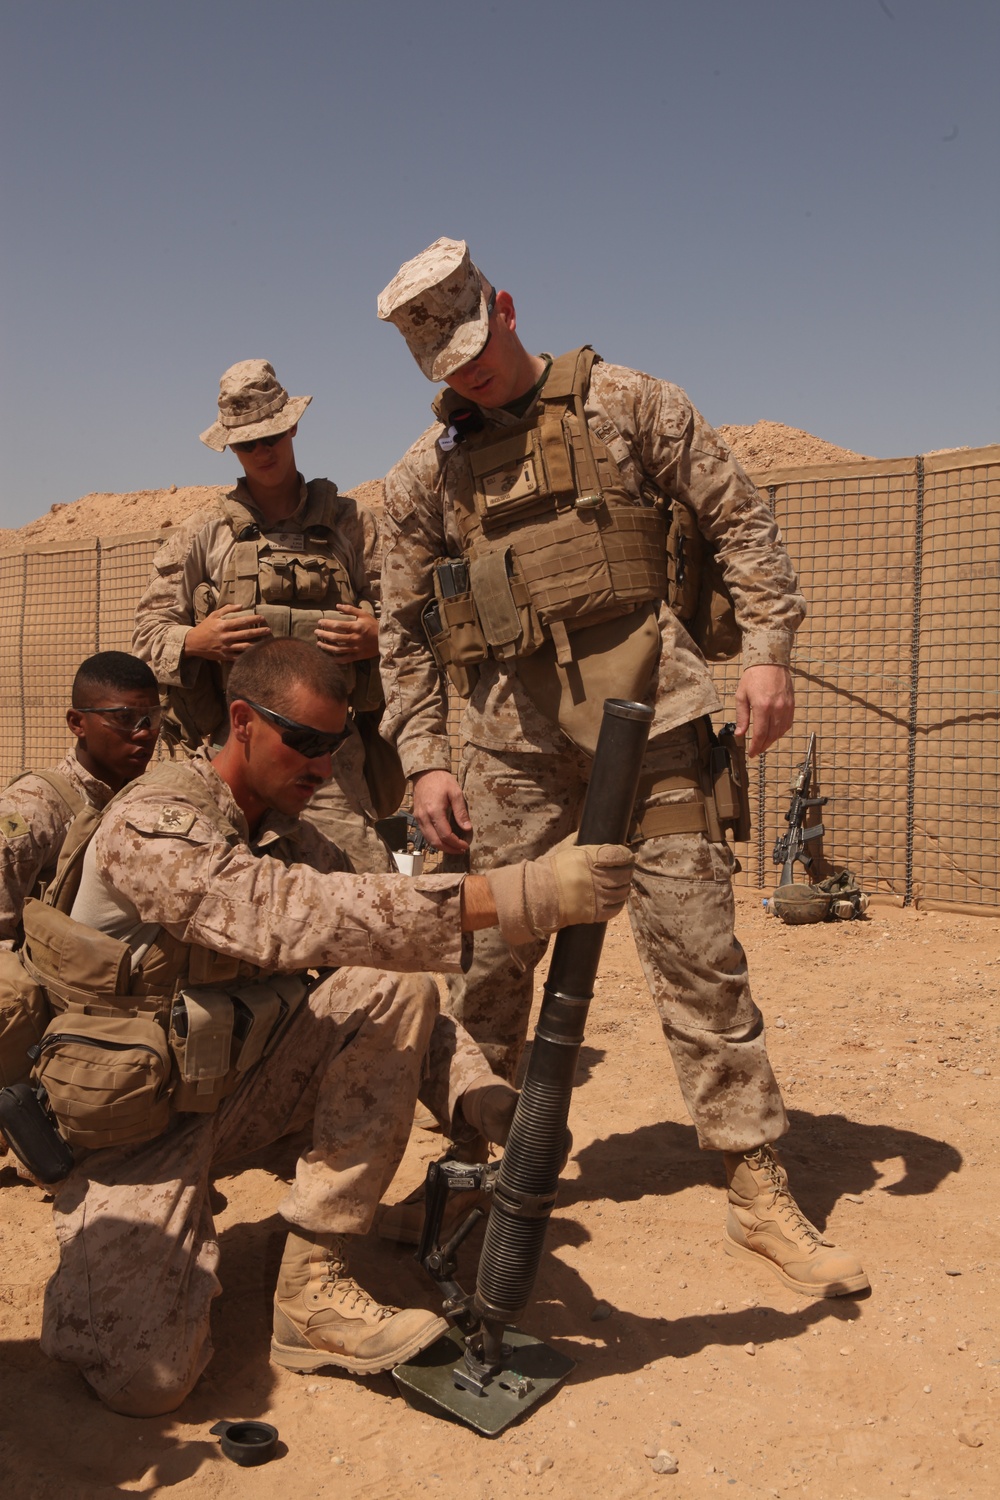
32,1134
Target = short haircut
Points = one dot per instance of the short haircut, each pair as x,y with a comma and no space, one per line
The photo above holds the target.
266,674
117,671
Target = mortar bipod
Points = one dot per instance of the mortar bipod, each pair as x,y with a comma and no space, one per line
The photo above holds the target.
444,1178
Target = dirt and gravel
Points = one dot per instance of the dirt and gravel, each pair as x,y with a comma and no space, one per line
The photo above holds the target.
883,1033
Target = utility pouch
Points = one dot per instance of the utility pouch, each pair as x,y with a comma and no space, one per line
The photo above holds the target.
730,790
75,963
24,1014
107,1078
616,658
697,591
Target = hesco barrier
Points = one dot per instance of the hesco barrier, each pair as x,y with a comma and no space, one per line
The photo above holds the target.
897,667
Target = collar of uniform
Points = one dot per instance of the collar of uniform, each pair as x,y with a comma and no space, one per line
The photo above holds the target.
201,762
505,418
97,791
242,493
274,825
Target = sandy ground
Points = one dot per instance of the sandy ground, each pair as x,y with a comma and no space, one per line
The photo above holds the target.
884,1035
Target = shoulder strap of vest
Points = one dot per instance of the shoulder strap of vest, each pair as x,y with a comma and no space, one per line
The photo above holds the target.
569,375
61,891
239,516
68,794
321,496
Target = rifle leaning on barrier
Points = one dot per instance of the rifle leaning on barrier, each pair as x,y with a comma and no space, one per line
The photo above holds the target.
791,847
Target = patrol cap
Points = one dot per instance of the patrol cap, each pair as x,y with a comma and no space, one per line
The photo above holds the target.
252,404
438,301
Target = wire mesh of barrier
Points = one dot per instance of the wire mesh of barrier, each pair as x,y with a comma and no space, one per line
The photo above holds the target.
897,668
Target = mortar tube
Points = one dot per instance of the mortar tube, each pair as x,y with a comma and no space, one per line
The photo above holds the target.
527,1182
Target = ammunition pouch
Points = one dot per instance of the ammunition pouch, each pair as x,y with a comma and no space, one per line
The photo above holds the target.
451,624
711,798
217,1035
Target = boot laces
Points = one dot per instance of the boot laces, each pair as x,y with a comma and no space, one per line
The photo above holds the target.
781,1199
335,1280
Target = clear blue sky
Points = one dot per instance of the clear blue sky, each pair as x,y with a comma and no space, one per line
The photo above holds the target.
789,207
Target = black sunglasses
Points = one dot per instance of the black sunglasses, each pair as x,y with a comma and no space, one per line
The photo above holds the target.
302,738
268,442
129,720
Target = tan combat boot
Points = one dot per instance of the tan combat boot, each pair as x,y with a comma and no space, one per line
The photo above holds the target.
322,1317
764,1223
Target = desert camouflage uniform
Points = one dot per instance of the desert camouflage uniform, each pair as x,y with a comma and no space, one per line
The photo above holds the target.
196,552
129,1303
525,782
33,823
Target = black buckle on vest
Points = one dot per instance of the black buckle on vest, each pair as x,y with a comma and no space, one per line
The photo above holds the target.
249,533
466,421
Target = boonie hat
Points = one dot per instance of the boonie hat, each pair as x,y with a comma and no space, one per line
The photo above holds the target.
438,301
252,404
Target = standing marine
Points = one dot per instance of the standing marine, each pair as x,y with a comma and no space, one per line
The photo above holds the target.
276,556
534,540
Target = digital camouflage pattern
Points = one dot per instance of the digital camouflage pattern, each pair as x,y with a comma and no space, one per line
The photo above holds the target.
129,1304
184,874
438,302
252,404
196,554
33,823
525,784
681,909
663,439
352,1059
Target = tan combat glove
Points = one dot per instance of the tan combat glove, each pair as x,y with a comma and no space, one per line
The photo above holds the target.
573,883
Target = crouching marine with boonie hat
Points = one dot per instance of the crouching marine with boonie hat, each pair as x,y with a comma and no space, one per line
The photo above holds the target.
568,530
274,557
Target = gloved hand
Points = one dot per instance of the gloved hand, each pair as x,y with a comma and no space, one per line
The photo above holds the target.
572,883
